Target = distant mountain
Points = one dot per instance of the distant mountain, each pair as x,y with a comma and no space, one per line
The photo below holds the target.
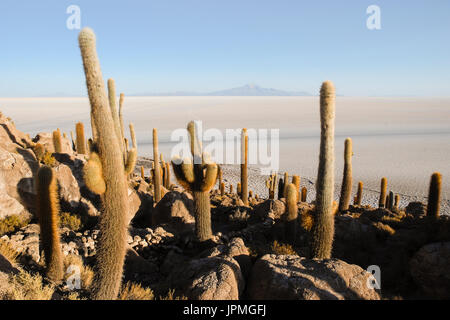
254,90
247,90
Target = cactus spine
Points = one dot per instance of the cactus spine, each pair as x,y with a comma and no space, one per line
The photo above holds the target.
111,247
358,198
198,176
434,195
244,167
156,176
81,141
57,144
346,188
48,213
292,212
382,201
323,229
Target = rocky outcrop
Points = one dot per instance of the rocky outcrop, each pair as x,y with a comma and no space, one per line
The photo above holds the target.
429,269
273,209
175,209
46,139
290,277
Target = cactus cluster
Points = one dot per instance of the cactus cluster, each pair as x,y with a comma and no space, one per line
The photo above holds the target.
197,175
271,185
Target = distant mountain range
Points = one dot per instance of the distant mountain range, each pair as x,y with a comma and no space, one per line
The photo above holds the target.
247,90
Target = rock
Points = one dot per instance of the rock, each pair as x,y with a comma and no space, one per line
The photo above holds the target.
213,278
417,209
270,208
175,209
290,277
6,266
46,139
69,187
137,268
429,269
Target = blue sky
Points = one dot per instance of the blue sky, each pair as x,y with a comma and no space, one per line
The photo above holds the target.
207,45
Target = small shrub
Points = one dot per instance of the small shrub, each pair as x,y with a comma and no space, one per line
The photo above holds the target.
70,221
282,249
11,224
48,159
134,291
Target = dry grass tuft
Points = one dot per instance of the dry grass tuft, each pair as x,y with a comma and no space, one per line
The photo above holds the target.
282,249
8,251
134,291
86,273
171,296
25,286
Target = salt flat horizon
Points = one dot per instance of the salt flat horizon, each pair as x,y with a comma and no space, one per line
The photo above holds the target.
405,139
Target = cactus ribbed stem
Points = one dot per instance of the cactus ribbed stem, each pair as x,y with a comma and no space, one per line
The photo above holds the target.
113,108
57,144
322,232
434,195
296,182
304,194
111,245
292,213
157,177
81,140
244,167
202,214
346,188
382,201
48,214
359,193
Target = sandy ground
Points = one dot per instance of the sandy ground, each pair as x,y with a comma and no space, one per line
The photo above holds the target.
403,139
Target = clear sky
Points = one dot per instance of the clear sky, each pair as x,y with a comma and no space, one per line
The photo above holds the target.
207,45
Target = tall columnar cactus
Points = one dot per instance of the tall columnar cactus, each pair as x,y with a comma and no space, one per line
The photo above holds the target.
304,194
57,144
244,167
81,140
219,175
346,188
133,136
48,214
397,202
142,173
156,176
167,176
285,183
271,184
231,189
296,182
222,189
292,212
322,232
390,203
382,201
359,193
111,246
434,195
122,128
198,176
280,188
239,189
74,145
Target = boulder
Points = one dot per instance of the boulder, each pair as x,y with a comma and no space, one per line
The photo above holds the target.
270,209
417,209
429,269
174,208
46,139
290,277
211,278
69,189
